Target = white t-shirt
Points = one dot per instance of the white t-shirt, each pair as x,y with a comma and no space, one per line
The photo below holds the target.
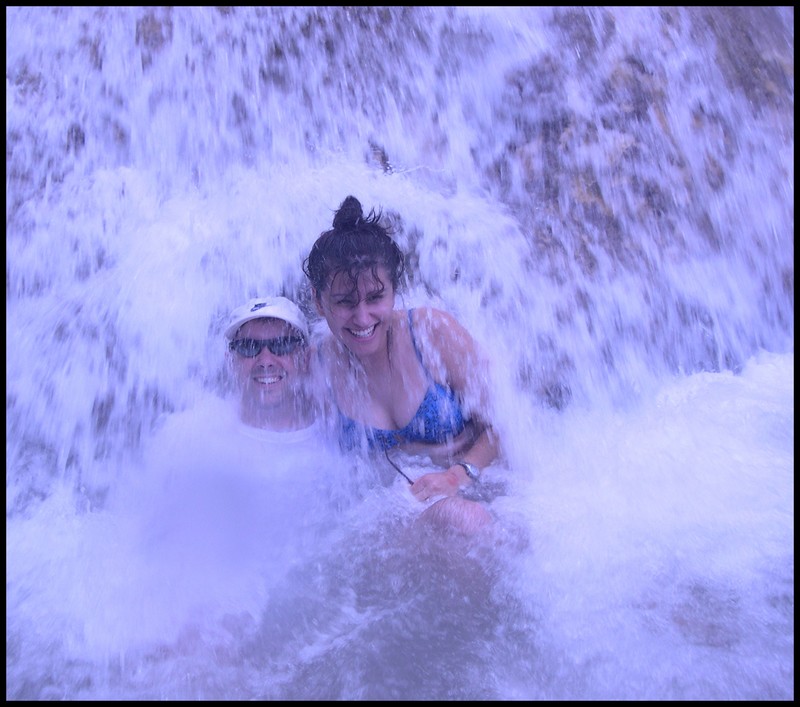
204,526
227,493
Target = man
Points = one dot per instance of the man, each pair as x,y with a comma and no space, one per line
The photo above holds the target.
229,495
268,356
271,425
248,479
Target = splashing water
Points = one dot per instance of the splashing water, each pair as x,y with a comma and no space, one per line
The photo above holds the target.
603,196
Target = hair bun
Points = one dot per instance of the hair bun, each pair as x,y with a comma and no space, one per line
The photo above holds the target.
349,213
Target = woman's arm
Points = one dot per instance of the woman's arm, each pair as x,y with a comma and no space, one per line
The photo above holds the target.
452,355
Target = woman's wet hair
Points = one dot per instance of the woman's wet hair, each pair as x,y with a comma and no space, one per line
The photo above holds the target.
356,243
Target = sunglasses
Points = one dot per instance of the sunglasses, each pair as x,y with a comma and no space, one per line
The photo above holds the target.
280,346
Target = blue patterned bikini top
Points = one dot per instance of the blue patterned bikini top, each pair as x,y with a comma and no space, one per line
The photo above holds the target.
438,418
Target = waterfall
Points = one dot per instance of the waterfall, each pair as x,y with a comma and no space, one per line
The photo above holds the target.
603,196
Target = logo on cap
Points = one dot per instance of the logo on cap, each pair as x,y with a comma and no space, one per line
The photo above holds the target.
258,306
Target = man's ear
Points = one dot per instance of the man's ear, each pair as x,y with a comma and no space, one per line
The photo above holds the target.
231,377
317,303
303,360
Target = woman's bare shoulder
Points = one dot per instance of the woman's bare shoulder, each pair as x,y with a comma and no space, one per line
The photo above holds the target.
439,327
433,319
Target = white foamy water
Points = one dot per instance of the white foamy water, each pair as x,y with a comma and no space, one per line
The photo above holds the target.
604,197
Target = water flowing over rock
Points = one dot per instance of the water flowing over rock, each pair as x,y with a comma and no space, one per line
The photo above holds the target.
604,196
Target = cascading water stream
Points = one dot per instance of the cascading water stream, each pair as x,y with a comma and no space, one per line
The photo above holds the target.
603,196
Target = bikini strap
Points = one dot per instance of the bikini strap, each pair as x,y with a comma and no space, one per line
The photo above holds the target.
414,341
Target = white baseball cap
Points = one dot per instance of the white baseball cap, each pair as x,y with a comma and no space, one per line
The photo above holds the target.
267,308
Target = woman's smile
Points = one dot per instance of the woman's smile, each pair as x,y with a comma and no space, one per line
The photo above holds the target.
363,333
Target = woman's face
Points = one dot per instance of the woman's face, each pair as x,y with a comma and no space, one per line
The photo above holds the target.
359,317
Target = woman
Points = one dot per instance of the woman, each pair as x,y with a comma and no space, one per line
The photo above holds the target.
406,379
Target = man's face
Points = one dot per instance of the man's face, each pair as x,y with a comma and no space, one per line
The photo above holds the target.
275,374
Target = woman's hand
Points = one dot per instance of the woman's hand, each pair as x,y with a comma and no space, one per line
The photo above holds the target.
440,483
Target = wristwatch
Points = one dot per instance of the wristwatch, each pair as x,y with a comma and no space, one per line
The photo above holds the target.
473,471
